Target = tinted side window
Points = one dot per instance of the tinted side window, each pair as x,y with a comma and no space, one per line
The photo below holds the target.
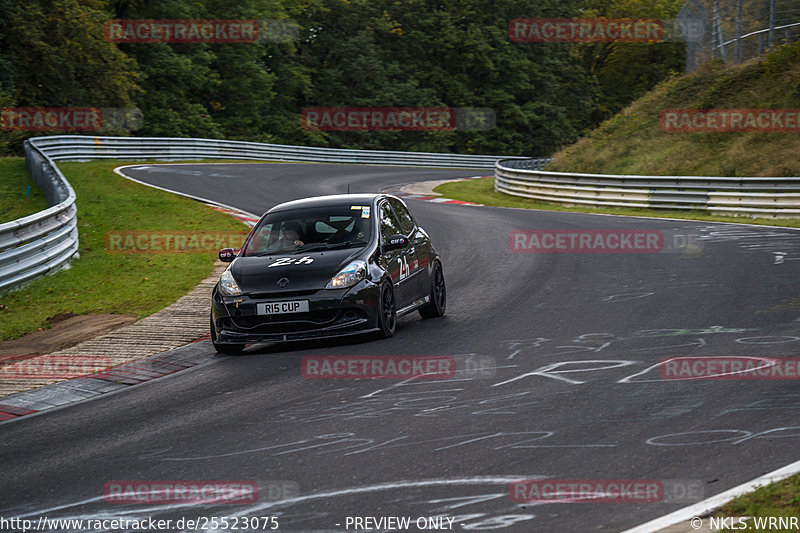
406,222
261,239
389,224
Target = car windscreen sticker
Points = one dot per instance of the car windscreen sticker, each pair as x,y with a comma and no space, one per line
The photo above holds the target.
355,207
365,212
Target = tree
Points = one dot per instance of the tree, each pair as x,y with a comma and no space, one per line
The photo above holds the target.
54,54
627,70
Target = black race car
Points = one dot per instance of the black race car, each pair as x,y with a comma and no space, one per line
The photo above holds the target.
323,267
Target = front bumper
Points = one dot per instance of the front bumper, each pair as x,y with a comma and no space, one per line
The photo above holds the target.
332,313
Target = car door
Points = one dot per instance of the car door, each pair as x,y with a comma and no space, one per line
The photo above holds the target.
417,253
396,262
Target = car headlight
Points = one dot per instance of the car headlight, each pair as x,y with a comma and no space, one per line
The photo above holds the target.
348,276
227,285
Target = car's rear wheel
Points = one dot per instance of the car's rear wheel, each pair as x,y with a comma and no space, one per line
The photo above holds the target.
387,311
227,349
438,303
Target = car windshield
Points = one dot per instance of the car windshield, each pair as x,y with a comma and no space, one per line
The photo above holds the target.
311,229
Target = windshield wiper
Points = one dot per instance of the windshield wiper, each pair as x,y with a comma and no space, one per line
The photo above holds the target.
324,247
314,247
278,251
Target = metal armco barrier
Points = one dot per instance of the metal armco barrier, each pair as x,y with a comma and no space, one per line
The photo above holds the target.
37,244
40,243
84,148
772,197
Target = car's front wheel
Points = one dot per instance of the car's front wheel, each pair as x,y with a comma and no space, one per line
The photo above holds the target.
227,349
438,303
387,311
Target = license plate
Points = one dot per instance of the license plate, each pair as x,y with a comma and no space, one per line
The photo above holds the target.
279,308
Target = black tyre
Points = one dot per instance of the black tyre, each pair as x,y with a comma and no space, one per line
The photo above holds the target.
227,349
387,311
438,303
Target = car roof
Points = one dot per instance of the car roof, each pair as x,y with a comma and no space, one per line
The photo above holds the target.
329,200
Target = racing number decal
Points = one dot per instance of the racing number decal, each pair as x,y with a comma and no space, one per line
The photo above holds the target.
282,261
285,261
404,270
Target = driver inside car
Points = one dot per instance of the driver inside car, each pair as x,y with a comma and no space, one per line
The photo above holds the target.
292,232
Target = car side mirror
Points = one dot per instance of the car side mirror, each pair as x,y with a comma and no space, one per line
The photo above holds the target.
394,242
226,255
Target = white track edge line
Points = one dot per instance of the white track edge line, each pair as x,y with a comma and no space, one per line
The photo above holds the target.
710,504
118,171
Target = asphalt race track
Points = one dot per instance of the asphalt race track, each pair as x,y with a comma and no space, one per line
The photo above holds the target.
556,353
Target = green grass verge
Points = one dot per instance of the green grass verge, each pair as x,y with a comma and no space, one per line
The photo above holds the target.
14,179
482,191
779,499
120,283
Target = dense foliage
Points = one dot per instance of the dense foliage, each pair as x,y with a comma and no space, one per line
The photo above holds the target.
366,53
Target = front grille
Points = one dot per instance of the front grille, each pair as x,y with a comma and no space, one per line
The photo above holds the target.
312,318
285,294
291,323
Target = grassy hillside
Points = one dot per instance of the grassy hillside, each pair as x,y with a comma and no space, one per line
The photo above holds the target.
633,142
